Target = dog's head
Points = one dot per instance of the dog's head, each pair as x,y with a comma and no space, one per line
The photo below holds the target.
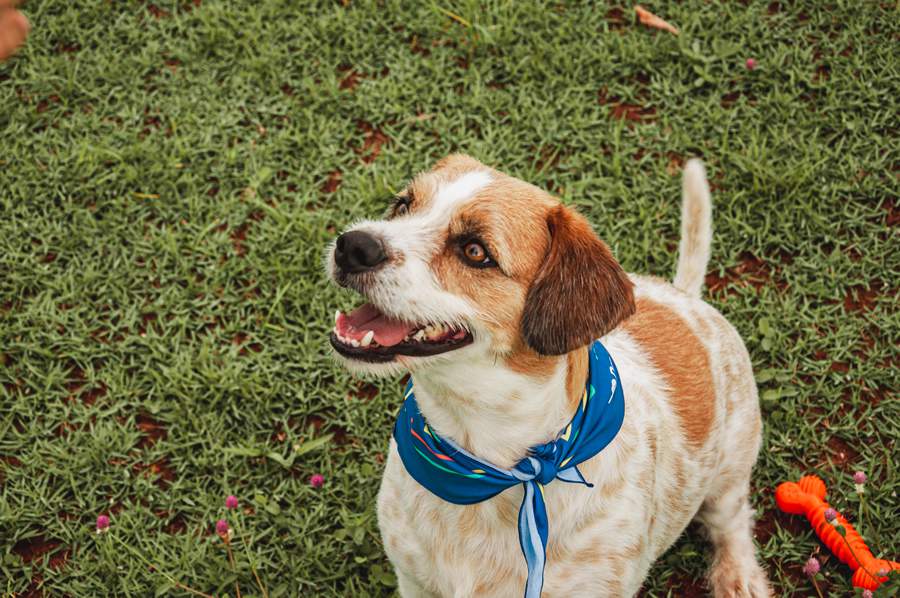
469,262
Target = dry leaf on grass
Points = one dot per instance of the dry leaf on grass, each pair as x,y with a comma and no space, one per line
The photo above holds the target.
651,20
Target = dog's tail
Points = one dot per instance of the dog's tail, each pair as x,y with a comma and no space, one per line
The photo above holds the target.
696,229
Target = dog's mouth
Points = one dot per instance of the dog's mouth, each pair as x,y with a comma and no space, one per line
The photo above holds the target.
369,335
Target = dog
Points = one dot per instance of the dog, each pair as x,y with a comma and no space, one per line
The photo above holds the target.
488,291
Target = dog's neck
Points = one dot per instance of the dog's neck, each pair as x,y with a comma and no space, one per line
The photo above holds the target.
498,413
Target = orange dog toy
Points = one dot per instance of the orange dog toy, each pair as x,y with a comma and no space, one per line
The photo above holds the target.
807,497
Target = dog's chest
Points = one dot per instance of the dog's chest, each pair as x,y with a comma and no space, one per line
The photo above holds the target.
602,540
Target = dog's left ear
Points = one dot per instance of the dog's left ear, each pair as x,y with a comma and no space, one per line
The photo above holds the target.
579,294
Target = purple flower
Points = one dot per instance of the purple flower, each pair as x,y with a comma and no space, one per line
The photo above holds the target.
317,480
231,502
222,527
751,64
830,515
859,478
102,523
811,567
867,594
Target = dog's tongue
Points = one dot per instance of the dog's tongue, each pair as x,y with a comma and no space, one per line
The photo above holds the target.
355,325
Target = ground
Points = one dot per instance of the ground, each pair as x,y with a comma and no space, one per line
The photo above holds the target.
171,173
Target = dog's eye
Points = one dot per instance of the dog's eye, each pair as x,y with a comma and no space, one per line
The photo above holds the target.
401,206
476,255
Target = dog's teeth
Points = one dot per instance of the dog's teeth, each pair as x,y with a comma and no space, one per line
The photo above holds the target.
367,339
420,335
337,316
354,343
435,331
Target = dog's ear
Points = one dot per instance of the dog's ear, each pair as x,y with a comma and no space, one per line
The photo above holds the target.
580,292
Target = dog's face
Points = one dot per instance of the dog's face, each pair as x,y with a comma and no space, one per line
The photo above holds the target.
469,262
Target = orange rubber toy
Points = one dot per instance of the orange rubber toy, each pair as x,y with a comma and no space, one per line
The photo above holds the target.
807,497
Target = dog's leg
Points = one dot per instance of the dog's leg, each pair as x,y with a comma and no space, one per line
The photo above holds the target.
728,518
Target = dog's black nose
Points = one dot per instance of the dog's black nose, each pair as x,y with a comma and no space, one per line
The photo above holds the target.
358,251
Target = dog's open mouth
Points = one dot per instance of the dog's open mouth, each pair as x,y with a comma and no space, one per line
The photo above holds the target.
367,334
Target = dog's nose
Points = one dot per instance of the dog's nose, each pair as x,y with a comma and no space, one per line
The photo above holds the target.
358,251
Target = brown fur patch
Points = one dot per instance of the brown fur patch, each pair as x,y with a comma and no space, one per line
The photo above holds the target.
532,364
498,299
576,375
592,554
508,217
683,362
524,360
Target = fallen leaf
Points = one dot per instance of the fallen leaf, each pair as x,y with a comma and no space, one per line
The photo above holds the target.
651,20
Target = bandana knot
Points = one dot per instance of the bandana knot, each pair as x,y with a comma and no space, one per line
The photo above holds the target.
457,476
541,464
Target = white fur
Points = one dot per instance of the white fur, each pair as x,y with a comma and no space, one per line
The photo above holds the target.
496,433
461,189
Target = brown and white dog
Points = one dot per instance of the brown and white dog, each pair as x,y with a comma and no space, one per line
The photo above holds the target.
488,290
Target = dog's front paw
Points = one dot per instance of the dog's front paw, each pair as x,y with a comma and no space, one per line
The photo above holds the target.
731,578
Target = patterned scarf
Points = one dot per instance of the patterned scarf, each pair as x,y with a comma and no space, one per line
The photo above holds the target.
459,477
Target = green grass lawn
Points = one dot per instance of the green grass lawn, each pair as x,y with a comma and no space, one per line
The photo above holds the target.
170,175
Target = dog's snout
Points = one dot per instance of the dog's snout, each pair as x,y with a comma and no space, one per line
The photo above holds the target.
358,251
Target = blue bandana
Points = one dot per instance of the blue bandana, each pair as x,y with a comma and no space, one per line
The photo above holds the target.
457,476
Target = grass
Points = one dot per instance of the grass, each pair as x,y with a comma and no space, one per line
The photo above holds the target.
170,175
